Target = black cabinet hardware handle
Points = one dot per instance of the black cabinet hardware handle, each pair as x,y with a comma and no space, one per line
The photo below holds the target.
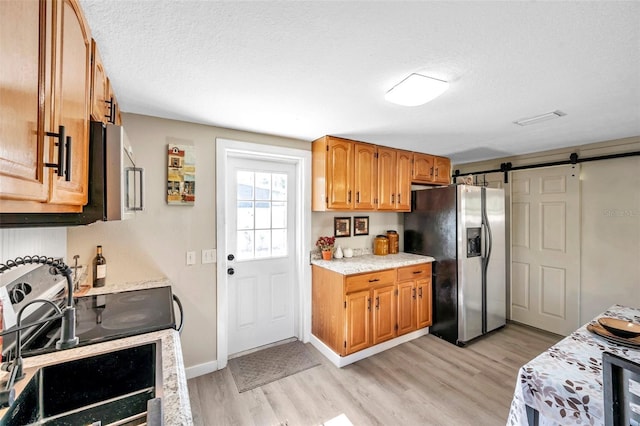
393,197
418,272
60,145
414,293
349,199
431,172
399,198
374,280
67,160
112,111
369,303
358,197
436,172
378,302
420,292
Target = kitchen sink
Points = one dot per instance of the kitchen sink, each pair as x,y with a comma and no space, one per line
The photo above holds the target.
113,387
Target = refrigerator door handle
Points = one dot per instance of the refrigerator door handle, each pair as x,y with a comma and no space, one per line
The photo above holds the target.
483,244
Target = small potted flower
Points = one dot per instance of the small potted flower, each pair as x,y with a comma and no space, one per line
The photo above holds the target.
325,244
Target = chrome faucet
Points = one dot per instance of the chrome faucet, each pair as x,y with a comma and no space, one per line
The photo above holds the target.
68,338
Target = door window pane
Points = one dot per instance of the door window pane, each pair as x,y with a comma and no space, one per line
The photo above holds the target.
279,187
245,185
263,186
244,241
261,215
244,215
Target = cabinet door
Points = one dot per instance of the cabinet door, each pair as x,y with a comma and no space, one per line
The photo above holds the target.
403,184
71,107
339,174
442,170
407,316
99,87
358,314
365,185
384,313
424,302
422,168
22,176
386,178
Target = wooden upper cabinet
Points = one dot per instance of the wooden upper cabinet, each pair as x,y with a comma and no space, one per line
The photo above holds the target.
48,85
339,174
350,175
99,87
22,173
113,110
431,169
442,170
71,106
365,176
386,178
394,179
403,184
422,168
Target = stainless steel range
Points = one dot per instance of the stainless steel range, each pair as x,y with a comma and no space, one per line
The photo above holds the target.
98,318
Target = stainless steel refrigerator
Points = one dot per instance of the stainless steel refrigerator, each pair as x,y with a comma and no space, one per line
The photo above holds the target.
463,228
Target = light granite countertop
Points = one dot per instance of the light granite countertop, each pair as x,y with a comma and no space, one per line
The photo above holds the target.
175,394
371,263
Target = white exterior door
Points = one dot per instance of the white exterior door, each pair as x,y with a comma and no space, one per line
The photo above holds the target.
545,248
260,230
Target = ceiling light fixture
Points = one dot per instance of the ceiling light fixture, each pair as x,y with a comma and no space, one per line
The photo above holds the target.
416,90
540,118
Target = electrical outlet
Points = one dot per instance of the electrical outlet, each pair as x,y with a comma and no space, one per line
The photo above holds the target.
209,256
191,258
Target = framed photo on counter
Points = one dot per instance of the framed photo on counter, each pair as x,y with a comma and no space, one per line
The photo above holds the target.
361,225
342,226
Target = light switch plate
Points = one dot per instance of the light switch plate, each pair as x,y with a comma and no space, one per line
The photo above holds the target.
209,256
191,258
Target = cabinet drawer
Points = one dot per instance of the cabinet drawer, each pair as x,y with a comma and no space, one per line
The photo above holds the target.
365,281
414,272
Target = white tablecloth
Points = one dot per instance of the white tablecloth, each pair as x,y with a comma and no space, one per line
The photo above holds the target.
564,383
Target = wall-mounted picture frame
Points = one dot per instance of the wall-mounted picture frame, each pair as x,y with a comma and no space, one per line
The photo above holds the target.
342,226
181,175
361,225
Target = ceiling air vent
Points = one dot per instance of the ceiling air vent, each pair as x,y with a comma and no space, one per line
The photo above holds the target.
540,118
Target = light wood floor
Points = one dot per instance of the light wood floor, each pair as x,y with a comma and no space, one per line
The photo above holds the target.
423,382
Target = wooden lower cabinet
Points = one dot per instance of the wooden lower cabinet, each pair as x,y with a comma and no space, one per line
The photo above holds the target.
414,298
354,312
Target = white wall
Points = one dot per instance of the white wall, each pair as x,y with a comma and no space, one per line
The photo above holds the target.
379,223
610,221
610,264
50,242
155,242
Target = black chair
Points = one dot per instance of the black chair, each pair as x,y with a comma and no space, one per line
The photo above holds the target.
621,383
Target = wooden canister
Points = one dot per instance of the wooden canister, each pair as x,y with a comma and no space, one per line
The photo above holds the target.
393,241
381,245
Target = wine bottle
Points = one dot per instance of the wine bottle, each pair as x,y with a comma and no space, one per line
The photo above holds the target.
99,269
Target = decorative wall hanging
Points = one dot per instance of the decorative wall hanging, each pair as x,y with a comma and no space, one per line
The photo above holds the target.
342,226
361,225
181,175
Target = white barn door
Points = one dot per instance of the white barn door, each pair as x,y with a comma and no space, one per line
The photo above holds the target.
545,248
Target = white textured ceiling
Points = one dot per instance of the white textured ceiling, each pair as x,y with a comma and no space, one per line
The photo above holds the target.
304,69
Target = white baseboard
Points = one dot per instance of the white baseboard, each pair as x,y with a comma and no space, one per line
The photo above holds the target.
201,369
341,361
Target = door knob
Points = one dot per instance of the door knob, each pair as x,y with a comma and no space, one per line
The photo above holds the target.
230,271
